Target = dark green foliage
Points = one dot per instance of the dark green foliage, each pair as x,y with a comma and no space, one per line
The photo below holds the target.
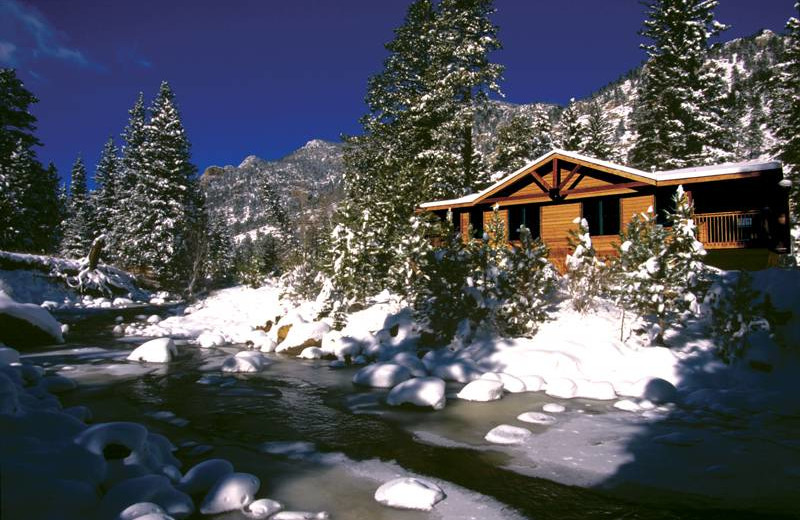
104,197
571,132
787,117
522,139
598,135
79,225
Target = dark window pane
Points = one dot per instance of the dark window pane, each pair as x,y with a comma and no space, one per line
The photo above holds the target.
602,214
523,215
476,221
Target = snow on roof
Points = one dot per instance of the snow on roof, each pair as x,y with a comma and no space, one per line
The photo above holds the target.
665,175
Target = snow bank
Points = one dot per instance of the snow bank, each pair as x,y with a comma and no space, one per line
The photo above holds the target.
26,324
409,493
420,391
160,350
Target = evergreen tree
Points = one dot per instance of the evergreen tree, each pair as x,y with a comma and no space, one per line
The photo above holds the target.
27,193
164,195
46,211
754,131
78,229
121,243
599,138
585,272
520,140
678,110
220,258
788,114
105,179
570,130
417,143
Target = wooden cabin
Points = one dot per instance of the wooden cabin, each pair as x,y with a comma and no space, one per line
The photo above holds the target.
741,209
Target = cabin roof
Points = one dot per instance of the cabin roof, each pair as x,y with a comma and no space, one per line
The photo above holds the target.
652,178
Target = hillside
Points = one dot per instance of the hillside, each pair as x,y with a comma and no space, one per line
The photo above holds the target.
310,178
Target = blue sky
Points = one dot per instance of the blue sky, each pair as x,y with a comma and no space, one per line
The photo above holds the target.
264,77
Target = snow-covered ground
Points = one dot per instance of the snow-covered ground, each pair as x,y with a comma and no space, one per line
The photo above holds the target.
589,408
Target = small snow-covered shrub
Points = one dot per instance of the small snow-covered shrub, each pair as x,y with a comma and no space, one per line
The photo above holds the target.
585,272
736,310
659,272
486,282
303,282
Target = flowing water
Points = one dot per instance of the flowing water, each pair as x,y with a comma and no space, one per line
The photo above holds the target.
315,441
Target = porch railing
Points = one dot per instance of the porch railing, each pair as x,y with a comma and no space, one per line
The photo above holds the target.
729,229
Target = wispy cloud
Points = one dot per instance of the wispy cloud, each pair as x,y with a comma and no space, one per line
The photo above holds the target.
130,54
34,38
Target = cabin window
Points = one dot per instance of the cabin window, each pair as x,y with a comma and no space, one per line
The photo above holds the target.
523,215
476,221
602,215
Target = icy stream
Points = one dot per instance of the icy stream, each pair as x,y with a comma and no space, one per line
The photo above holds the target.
318,444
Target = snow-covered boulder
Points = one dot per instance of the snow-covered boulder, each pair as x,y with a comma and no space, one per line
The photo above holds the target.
160,350
311,353
507,434
562,387
246,361
409,493
454,369
8,355
553,408
381,375
420,391
153,319
600,390
411,362
146,510
262,508
536,418
660,391
481,390
26,324
343,345
511,384
533,383
300,515
156,489
302,335
210,340
232,491
202,477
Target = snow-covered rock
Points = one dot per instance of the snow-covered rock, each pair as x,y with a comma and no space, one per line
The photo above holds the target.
510,383
246,361
232,491
202,477
26,324
536,418
482,390
262,508
147,510
302,335
311,353
507,434
627,405
411,362
300,515
562,387
8,355
420,391
660,391
533,383
553,408
153,319
156,489
381,375
210,340
409,493
454,369
161,350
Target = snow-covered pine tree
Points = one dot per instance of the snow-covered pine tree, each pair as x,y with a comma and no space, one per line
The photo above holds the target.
47,211
163,195
598,134
121,245
417,143
571,132
788,113
78,228
754,131
585,272
220,258
659,270
27,193
104,199
523,138
677,115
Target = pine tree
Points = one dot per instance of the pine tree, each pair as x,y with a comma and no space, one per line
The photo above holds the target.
585,272
27,193
520,140
417,143
570,130
678,111
105,180
78,229
754,131
121,243
788,114
599,139
163,195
